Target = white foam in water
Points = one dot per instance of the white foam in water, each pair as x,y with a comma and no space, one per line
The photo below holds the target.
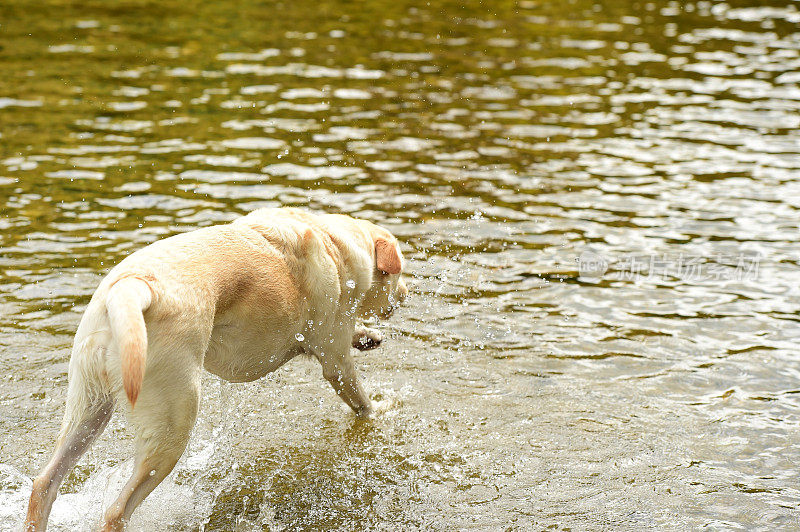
15,488
171,504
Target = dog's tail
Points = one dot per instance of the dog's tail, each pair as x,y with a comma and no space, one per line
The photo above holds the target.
127,299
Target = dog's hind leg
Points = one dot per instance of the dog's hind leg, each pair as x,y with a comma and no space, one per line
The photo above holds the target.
163,420
83,422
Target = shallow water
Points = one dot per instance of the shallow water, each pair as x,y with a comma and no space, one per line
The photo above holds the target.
599,202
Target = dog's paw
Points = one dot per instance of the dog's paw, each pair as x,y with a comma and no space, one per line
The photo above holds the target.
383,402
365,339
376,407
382,406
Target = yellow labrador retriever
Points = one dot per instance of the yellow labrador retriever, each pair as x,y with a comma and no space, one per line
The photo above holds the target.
238,300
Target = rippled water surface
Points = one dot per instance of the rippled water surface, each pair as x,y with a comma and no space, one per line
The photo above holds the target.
527,155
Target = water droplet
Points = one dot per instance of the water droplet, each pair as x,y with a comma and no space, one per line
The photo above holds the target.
350,283
299,337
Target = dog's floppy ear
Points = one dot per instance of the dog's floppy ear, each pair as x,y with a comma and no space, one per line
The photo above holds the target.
387,256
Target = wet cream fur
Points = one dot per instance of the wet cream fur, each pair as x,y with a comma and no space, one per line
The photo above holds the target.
238,300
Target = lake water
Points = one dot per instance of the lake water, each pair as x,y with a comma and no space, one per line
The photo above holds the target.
599,202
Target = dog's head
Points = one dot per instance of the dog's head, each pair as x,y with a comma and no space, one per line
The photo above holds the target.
387,290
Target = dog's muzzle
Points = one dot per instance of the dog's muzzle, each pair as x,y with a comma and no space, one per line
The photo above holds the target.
396,299
402,291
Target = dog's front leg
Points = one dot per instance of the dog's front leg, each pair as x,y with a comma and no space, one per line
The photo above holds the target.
339,370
